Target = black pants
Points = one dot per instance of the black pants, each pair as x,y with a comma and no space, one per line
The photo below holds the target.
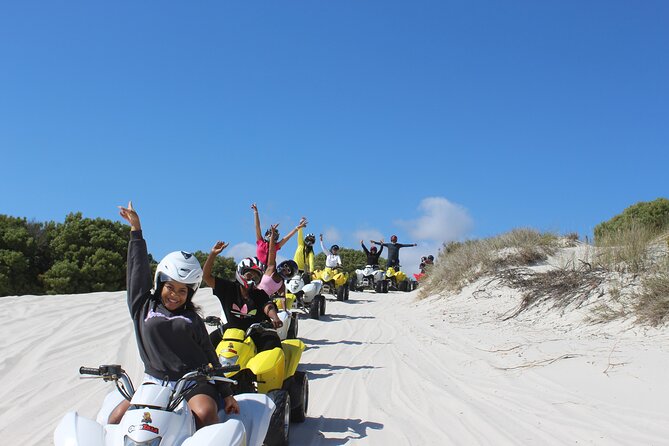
263,341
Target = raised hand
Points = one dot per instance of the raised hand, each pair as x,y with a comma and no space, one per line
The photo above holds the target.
273,229
219,247
254,207
130,215
303,223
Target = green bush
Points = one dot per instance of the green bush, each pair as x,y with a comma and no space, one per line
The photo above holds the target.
89,255
224,267
651,215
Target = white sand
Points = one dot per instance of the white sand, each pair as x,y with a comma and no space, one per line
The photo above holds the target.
383,370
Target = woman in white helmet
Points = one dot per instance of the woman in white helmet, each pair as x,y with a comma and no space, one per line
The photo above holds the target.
171,336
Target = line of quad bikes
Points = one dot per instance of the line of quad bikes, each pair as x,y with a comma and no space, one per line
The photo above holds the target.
271,391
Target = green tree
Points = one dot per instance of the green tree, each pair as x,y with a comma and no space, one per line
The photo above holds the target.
224,267
24,255
89,255
652,215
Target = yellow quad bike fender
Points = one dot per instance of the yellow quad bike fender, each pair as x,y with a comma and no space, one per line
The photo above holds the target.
273,367
235,348
398,275
285,303
339,278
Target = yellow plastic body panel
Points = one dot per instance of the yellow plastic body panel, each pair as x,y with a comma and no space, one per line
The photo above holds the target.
234,345
292,349
269,366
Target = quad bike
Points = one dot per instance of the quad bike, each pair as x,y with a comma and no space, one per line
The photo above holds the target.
287,316
305,296
159,416
370,277
398,280
335,282
271,372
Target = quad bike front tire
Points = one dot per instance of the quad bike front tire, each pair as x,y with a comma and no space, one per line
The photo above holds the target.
340,293
346,292
385,286
279,425
403,285
299,396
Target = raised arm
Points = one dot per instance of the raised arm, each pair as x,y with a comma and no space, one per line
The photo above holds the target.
364,248
271,255
257,222
326,251
301,224
209,264
138,277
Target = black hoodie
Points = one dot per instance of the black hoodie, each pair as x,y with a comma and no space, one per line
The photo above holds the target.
171,343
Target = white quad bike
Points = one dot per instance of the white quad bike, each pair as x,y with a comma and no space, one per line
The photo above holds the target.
159,416
369,277
306,297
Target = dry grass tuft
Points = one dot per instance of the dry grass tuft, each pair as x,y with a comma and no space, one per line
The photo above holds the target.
652,306
461,263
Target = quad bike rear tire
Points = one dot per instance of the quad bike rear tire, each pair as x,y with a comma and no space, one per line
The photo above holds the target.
340,293
403,285
385,286
321,306
279,425
292,329
353,284
299,396
315,307
346,292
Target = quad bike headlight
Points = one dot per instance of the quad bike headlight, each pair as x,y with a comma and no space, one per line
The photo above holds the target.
127,441
227,361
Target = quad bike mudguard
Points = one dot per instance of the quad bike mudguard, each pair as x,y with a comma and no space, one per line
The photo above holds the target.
269,366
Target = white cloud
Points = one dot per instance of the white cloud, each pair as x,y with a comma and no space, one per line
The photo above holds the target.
240,251
368,234
331,236
442,221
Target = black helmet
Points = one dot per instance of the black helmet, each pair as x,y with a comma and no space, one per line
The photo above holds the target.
334,248
430,257
276,235
373,249
287,269
310,239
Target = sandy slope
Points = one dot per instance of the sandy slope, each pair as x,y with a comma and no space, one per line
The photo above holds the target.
383,369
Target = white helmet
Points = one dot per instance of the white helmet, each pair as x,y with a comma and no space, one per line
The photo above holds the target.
249,264
181,267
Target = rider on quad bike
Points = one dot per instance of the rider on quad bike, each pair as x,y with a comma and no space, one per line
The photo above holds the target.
304,254
242,302
370,276
332,276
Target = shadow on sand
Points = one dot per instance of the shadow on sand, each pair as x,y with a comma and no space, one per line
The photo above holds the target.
330,431
319,371
335,317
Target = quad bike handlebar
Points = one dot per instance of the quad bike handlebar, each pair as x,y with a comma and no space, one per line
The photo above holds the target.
115,373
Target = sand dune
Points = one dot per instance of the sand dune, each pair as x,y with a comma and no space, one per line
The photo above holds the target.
383,369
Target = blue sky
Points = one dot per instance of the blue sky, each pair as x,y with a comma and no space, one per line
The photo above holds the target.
432,120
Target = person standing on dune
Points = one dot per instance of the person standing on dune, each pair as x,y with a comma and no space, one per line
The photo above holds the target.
394,251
